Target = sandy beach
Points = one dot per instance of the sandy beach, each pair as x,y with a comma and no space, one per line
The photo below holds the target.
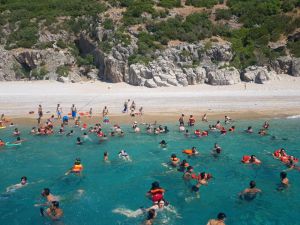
279,98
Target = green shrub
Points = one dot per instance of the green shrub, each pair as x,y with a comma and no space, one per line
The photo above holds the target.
294,48
223,14
169,3
63,71
61,44
135,10
108,24
202,3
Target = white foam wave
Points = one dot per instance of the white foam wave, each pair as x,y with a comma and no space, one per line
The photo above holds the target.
293,117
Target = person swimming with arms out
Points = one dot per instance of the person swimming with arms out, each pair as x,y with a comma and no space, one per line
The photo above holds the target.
219,221
19,140
250,193
53,212
124,155
14,187
49,197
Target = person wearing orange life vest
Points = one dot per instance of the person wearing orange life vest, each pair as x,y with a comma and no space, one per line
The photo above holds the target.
250,160
156,193
174,161
191,120
77,167
191,152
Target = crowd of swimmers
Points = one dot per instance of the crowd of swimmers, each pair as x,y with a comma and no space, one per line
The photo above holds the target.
194,180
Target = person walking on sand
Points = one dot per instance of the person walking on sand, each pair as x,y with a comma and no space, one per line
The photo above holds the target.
58,111
125,110
90,112
73,111
132,106
40,114
105,111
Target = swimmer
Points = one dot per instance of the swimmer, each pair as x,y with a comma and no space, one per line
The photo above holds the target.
123,154
249,130
79,142
284,183
70,133
202,180
231,129
76,169
105,157
11,124
19,140
14,187
156,193
250,193
163,144
174,161
61,131
49,197
186,134
219,221
182,166
86,137
216,150
266,125
188,173
2,143
33,130
53,212
262,132
150,217
16,132
251,160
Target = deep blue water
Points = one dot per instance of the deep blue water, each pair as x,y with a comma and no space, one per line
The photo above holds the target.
119,184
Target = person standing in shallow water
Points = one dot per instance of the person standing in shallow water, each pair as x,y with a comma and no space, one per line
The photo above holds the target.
219,221
181,120
73,111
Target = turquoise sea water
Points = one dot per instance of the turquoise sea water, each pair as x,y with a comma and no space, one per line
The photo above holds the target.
106,186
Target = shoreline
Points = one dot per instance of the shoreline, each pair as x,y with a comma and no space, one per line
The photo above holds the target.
275,99
161,118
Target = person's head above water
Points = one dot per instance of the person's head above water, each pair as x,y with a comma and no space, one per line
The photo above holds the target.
155,184
283,175
252,184
163,142
18,139
221,216
173,156
55,204
23,180
45,192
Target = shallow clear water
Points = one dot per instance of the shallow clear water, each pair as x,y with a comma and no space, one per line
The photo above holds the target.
119,184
